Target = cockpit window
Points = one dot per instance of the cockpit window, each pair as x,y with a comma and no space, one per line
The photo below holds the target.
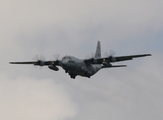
67,58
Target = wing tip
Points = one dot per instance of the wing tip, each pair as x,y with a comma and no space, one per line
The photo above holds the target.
148,54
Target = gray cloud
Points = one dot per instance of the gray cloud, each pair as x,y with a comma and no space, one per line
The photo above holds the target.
28,98
132,93
73,28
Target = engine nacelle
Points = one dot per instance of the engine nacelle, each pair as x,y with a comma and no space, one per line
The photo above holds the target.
53,68
40,63
112,59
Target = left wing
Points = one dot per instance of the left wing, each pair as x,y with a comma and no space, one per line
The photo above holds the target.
124,58
113,59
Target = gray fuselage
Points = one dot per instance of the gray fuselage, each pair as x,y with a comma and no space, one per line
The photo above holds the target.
75,66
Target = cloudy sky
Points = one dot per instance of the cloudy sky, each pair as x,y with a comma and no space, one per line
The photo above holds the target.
73,27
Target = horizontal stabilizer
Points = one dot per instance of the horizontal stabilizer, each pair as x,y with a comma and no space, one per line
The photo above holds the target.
114,66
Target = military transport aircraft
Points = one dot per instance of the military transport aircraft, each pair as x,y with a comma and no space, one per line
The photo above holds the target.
83,67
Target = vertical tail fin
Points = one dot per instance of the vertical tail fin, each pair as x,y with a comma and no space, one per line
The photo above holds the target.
98,50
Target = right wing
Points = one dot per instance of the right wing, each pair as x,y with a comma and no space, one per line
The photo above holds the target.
39,62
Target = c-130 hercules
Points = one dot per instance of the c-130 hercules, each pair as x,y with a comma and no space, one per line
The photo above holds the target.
83,67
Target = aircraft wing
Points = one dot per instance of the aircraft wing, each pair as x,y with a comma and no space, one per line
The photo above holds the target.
39,62
113,59
124,58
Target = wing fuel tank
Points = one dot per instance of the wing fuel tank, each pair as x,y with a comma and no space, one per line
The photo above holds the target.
53,68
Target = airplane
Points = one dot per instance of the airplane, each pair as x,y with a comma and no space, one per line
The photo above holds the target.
83,67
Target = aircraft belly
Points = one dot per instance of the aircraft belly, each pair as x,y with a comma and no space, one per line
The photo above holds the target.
81,69
77,70
73,68
86,70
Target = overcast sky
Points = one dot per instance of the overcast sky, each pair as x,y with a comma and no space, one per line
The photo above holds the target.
73,27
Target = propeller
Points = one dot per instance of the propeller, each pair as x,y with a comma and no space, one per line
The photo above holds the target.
40,60
110,56
87,56
92,56
57,59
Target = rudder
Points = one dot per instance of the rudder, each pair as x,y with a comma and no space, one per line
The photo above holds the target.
98,50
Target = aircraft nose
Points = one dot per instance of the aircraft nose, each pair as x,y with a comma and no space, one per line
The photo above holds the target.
64,63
